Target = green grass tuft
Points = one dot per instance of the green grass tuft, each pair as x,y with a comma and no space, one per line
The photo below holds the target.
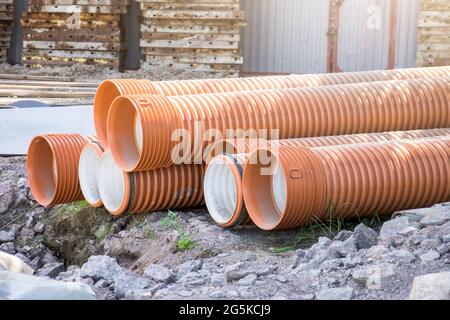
173,221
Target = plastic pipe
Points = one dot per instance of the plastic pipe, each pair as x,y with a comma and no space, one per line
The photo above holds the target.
223,177
87,173
108,90
147,191
345,181
52,167
296,113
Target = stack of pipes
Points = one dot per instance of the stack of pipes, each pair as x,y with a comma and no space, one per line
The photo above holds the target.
362,143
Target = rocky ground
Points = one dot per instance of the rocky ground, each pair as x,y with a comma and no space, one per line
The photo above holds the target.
184,255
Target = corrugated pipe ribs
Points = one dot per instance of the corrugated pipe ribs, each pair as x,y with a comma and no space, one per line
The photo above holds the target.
223,177
143,129
147,191
111,89
52,167
353,144
290,187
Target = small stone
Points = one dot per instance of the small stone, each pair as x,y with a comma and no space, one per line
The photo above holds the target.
217,280
159,273
324,242
48,258
101,284
36,263
436,217
364,236
137,295
39,228
343,235
433,286
184,293
344,248
430,256
6,196
446,238
8,247
51,270
217,295
281,278
429,244
400,255
88,281
351,262
392,227
408,230
331,265
346,293
321,256
6,236
240,270
189,266
443,248
247,281
101,267
375,276
127,281
308,296
376,252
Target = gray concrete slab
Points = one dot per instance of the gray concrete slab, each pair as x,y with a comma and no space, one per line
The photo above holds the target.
19,126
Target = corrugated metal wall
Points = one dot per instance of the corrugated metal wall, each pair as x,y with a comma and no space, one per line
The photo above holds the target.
290,35
285,35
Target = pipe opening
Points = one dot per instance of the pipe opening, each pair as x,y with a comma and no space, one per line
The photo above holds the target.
106,93
41,171
222,190
111,183
264,190
87,172
217,148
122,127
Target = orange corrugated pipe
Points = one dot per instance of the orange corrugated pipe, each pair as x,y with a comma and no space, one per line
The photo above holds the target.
345,181
141,126
147,191
52,167
223,176
111,89
87,173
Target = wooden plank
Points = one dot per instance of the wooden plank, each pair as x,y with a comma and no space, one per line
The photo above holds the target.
35,63
434,46
190,28
83,2
53,84
72,45
77,9
190,36
434,38
97,24
203,59
52,54
51,94
189,44
11,76
434,31
34,88
194,6
67,34
193,14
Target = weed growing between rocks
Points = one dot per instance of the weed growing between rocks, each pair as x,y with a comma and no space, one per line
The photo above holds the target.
173,221
330,228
